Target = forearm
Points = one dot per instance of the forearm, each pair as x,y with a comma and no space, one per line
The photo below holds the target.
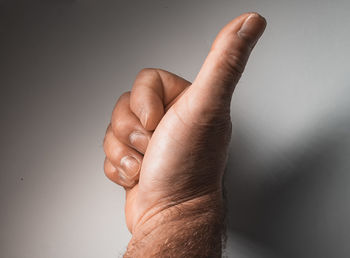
190,229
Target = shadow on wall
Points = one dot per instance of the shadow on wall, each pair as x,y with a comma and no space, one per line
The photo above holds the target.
297,205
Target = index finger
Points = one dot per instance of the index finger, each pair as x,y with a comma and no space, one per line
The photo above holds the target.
152,91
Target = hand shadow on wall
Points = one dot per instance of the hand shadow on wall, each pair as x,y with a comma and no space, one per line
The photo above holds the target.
294,205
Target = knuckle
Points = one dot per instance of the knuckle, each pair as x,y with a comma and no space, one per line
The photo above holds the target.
124,96
114,154
120,127
147,70
108,169
231,61
112,150
120,124
148,74
235,63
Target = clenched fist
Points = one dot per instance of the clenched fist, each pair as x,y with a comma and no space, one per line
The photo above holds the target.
167,146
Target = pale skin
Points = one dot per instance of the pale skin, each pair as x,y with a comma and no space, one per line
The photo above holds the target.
167,145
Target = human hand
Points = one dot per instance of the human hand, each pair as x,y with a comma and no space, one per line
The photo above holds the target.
168,139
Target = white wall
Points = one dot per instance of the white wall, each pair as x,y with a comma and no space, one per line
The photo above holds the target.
64,64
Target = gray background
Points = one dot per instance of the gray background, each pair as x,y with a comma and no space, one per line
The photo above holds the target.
63,66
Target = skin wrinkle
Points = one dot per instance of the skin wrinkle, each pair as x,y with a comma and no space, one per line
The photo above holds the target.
175,221
170,201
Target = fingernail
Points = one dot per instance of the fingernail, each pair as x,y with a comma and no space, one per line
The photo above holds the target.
252,28
126,181
130,166
139,141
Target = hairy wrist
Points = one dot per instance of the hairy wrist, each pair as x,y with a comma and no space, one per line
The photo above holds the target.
190,229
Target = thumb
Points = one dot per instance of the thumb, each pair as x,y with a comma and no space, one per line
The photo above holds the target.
214,84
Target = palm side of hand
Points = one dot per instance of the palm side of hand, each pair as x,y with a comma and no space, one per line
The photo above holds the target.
185,159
